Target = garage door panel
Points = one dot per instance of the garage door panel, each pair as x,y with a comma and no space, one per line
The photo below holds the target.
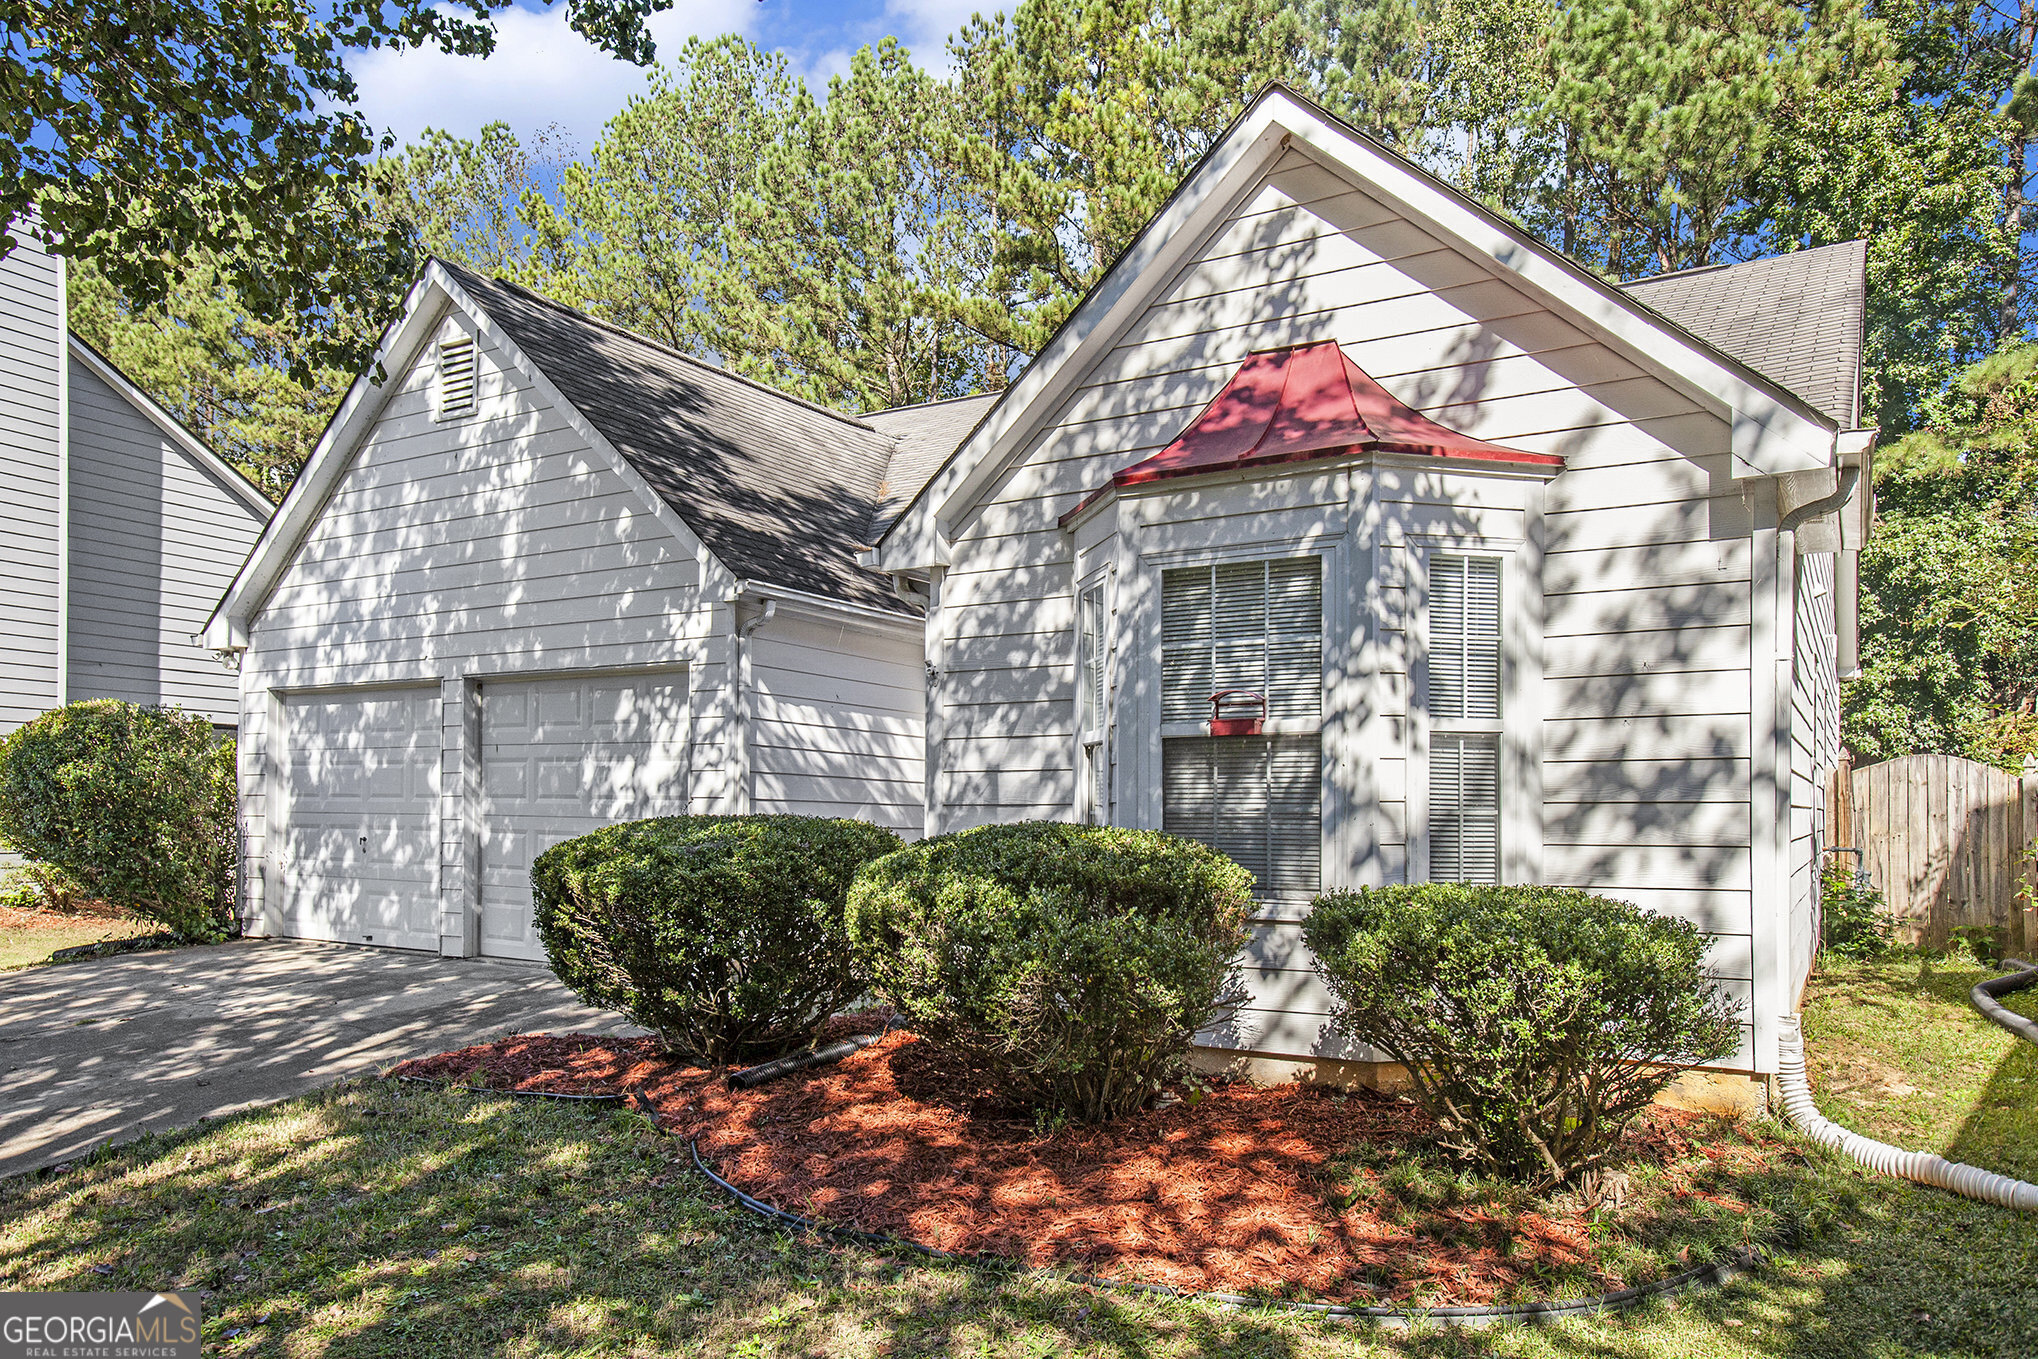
561,758
358,810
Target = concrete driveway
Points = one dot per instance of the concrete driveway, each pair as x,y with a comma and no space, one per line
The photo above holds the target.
100,1051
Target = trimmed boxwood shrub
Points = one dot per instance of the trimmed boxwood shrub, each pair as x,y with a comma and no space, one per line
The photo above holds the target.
1536,1022
133,806
1075,962
721,934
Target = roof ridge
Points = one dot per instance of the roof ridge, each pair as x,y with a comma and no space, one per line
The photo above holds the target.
662,347
937,401
1735,264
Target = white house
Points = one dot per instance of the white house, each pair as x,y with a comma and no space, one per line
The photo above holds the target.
1540,579
545,576
1511,574
118,528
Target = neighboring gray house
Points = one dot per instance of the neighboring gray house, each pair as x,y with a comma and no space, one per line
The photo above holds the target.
550,575
1540,579
118,529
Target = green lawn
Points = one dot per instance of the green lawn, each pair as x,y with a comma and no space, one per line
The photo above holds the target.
397,1220
23,945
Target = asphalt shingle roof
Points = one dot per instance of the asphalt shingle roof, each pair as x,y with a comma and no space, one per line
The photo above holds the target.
781,491
1797,319
787,493
926,434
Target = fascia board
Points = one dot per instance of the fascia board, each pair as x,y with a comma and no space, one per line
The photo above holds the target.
837,611
173,429
227,628
914,540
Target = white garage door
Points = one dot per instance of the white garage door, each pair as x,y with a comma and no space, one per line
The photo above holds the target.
560,758
357,834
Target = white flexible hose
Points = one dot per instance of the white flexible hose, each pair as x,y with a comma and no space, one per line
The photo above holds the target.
1921,1166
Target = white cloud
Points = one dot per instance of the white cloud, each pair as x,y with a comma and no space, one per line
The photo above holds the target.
540,73
925,26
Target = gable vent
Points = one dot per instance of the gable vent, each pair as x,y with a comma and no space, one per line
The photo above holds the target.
457,378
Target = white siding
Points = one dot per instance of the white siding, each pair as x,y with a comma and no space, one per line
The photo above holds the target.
155,539
1814,749
31,406
1641,546
837,721
498,545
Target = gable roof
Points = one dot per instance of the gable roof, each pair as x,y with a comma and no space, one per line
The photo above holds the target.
783,492
1799,318
1772,428
924,436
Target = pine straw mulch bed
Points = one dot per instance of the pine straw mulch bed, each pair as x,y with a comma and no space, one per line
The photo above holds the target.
1290,1191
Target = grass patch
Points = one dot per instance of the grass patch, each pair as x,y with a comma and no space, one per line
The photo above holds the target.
28,938
398,1220
1896,1052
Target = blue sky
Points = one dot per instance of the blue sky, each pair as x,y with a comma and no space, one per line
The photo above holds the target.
543,73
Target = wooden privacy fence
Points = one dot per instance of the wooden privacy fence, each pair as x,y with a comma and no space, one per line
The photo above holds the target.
1947,840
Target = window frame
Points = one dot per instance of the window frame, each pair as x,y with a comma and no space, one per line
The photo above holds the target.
1518,728
1331,550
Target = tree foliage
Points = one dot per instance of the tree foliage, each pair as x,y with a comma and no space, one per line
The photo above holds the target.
1950,578
158,137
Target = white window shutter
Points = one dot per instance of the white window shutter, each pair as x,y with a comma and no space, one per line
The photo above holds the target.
457,378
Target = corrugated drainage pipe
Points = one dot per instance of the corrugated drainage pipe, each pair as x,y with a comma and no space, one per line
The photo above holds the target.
1984,996
1921,1166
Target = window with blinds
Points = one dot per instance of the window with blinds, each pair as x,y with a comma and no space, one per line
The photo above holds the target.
1257,799
1464,807
457,378
1093,701
1464,708
1243,625
1254,625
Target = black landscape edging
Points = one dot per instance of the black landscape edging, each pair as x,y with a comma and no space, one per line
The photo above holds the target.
1985,994
109,948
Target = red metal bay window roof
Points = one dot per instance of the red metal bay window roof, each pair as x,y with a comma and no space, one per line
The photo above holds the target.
1302,403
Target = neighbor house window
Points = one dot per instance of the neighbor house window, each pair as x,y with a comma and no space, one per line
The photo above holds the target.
1094,705
1464,718
457,378
1254,626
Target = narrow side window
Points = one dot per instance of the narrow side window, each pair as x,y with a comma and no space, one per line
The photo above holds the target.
1465,673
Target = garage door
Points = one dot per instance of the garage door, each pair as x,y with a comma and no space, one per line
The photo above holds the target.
356,845
560,758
